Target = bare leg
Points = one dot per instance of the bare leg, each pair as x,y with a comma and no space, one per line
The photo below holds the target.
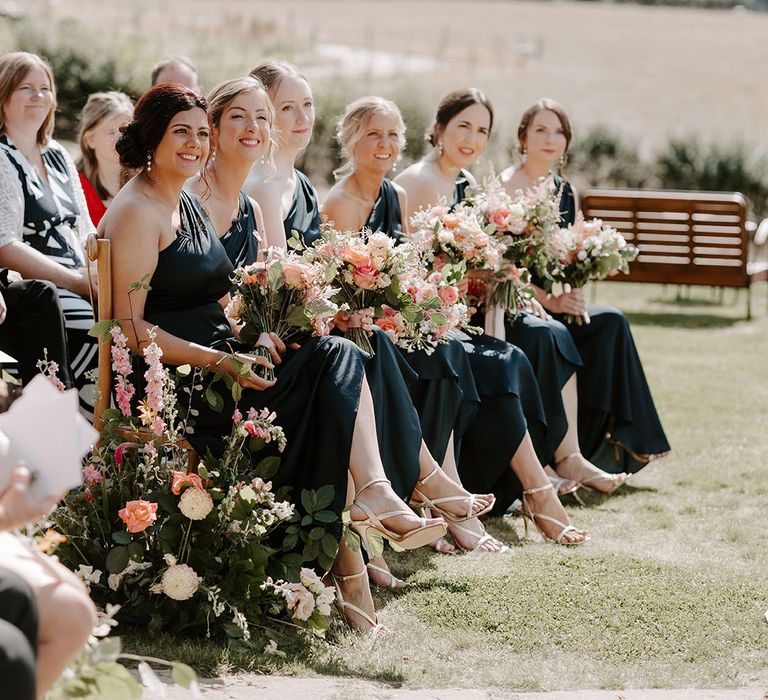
569,462
353,591
526,465
365,466
66,613
380,575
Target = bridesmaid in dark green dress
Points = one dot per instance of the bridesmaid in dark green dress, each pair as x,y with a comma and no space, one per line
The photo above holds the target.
618,424
320,395
371,134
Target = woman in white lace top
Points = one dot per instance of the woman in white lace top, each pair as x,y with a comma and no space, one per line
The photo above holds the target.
43,214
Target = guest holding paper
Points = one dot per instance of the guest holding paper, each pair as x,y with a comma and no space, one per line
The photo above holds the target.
618,422
103,115
45,610
43,214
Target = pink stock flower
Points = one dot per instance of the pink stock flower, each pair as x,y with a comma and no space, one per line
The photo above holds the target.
237,416
157,426
155,376
255,430
124,392
138,515
182,479
92,475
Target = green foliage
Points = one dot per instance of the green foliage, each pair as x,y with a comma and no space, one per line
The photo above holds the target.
603,158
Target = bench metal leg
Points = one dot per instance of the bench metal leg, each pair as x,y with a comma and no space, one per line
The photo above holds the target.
749,303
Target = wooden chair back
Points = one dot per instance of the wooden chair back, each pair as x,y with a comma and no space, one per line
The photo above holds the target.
98,251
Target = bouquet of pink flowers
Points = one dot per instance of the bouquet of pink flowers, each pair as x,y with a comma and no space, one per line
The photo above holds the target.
455,239
365,270
286,295
591,250
437,309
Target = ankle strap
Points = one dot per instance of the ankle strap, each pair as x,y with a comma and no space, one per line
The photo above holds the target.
349,577
567,457
429,476
539,489
371,483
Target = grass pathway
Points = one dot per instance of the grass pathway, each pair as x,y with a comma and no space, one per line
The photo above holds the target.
670,592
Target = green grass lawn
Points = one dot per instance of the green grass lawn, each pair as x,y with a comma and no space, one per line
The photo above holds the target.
670,592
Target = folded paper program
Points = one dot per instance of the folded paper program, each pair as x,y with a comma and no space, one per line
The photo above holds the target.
44,429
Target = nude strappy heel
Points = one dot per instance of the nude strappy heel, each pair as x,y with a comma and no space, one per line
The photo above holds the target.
528,514
377,628
428,531
394,582
419,500
481,540
616,480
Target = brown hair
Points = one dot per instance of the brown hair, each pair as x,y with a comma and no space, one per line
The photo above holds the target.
225,93
453,103
272,71
99,107
544,104
151,116
13,67
169,61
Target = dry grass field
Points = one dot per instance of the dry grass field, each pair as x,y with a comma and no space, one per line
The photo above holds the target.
650,72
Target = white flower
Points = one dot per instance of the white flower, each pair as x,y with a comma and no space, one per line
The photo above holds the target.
87,574
324,601
180,582
299,601
271,649
169,559
113,581
311,580
195,504
582,255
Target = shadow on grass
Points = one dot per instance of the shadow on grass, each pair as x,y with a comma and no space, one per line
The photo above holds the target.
681,320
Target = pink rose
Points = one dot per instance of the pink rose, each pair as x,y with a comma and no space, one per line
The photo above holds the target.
182,479
498,217
356,255
449,295
366,276
138,515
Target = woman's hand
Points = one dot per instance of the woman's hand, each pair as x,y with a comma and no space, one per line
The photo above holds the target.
569,302
17,507
357,319
536,309
243,373
77,282
273,344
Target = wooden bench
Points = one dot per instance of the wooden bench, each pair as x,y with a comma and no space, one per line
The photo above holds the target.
686,238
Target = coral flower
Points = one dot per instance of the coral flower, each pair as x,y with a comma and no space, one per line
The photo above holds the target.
138,515
182,479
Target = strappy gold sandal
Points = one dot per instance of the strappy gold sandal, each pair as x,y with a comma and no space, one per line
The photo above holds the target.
377,629
419,500
528,514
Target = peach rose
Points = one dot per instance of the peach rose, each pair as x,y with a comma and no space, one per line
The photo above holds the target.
255,274
356,255
182,479
138,515
295,274
449,295
366,276
451,220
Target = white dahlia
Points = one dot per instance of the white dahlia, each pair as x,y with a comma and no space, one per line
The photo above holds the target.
195,504
180,582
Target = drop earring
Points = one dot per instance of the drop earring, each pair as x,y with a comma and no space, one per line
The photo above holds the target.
149,162
562,160
440,147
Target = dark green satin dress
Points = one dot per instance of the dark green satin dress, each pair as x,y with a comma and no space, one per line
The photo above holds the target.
614,396
317,393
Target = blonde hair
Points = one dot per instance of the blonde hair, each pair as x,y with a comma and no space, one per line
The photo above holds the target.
225,93
99,107
272,71
351,127
13,67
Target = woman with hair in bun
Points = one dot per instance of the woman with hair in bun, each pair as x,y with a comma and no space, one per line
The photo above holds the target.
100,121
160,230
43,214
371,134
459,135
618,422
